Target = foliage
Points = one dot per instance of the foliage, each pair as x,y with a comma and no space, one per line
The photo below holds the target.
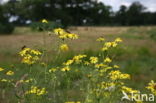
5,26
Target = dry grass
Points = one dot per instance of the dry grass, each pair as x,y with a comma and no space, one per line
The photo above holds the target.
11,44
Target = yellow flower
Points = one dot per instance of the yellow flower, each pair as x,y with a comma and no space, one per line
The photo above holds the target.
59,31
114,44
118,40
108,44
116,74
78,58
104,49
64,47
128,90
100,39
1,69
116,66
93,60
65,69
29,56
44,21
10,73
52,70
152,87
69,62
36,90
100,65
72,36
107,60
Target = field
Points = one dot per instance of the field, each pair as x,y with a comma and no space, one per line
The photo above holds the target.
136,55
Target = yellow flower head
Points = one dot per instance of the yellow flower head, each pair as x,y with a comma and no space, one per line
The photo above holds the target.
93,60
1,69
107,60
69,62
100,39
52,70
118,40
116,75
64,47
59,31
29,56
10,73
44,21
152,87
36,90
65,69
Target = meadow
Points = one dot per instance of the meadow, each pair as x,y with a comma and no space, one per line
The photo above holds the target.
135,55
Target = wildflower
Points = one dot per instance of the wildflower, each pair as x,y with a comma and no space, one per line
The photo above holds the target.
36,90
1,69
65,69
93,60
152,87
10,73
118,40
44,21
115,75
128,90
59,31
101,39
107,85
52,70
116,66
104,49
99,65
72,36
108,44
69,62
29,56
107,60
78,58
64,47
114,44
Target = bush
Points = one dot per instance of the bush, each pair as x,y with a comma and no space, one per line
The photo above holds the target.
6,28
38,26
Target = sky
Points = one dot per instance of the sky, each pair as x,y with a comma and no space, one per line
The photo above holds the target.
150,4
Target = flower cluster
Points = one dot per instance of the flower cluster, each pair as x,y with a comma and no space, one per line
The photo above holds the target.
152,87
108,45
37,91
30,56
116,74
62,34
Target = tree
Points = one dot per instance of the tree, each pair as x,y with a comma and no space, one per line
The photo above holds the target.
134,14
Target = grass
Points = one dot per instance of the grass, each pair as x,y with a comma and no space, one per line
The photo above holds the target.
136,55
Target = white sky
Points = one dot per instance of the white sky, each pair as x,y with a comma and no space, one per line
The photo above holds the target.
150,4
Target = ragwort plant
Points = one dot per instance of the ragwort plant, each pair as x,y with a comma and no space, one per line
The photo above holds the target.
94,79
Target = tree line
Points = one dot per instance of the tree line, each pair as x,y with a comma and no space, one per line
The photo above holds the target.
75,12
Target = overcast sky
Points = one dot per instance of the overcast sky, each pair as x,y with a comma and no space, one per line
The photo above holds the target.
150,4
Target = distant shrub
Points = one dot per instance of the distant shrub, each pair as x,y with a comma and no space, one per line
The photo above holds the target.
38,26
6,28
